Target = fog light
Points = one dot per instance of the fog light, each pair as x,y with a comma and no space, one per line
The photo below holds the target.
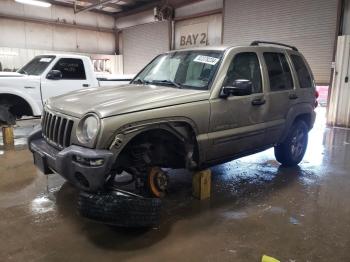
89,162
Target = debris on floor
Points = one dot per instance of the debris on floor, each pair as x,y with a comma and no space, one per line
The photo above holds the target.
268,259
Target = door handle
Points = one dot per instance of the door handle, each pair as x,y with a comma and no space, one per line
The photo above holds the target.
293,96
85,85
258,102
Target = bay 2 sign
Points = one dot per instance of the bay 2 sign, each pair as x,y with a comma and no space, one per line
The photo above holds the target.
193,35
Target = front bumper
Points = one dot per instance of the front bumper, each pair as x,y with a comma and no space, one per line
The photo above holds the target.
65,162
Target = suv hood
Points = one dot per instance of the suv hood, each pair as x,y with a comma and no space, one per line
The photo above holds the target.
108,101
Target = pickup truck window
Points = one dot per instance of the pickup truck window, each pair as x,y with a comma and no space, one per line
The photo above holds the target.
36,66
245,66
304,76
183,69
279,71
71,68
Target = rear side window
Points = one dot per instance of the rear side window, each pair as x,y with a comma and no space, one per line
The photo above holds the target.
304,77
71,68
279,72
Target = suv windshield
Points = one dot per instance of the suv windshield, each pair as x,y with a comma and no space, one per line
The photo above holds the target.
182,69
36,66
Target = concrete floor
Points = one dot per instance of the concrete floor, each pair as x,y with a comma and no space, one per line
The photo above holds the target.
257,207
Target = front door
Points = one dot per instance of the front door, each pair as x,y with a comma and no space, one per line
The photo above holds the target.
237,121
73,78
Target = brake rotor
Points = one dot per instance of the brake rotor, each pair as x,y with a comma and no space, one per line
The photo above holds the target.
158,181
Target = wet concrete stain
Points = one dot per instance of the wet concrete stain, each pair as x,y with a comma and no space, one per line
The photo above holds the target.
257,207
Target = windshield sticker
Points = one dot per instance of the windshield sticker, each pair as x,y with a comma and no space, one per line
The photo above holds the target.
45,59
206,59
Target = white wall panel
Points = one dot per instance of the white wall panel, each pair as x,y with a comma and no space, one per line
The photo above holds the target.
198,7
38,36
12,33
64,39
339,106
51,37
142,43
308,24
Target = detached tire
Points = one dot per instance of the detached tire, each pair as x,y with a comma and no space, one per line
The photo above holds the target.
292,150
118,210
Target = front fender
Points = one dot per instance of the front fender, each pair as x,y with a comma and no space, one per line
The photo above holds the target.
36,107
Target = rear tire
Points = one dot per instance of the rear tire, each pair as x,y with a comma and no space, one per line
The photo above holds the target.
292,150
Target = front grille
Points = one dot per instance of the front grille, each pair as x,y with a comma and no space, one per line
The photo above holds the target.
57,129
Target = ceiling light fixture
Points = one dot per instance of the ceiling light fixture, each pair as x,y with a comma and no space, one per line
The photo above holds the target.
34,2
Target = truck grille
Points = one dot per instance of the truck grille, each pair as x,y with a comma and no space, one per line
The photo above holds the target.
56,129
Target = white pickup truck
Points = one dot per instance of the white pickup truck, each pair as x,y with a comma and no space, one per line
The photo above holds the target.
23,93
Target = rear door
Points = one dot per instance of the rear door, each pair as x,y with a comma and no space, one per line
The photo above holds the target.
305,80
281,92
73,78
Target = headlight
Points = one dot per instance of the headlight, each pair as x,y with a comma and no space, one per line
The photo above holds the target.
88,129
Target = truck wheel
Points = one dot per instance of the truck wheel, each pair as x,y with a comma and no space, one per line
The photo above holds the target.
6,117
120,209
292,150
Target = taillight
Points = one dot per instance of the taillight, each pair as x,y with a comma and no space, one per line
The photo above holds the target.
317,94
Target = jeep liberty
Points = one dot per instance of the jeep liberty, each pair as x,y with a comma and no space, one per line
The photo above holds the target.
191,108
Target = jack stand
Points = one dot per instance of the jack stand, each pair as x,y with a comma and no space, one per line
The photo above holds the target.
7,136
201,184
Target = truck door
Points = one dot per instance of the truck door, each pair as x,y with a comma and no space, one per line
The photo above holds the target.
73,78
237,121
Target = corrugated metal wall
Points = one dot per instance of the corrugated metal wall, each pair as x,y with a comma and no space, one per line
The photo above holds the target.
308,24
214,23
142,43
339,106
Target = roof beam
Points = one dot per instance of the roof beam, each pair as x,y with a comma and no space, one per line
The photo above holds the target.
90,7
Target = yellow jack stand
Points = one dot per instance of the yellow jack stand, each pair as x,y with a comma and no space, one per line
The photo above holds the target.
201,184
7,136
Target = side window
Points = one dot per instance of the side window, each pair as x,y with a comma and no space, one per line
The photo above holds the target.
279,72
71,68
245,66
303,73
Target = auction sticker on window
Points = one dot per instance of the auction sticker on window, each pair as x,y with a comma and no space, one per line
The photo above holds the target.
45,59
206,59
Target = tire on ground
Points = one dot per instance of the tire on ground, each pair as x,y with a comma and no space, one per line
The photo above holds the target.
283,151
117,210
6,117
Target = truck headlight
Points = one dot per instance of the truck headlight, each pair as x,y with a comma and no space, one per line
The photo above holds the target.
88,128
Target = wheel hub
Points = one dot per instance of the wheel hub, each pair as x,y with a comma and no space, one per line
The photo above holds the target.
158,181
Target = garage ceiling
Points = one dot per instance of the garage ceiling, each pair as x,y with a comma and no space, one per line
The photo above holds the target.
111,7
118,7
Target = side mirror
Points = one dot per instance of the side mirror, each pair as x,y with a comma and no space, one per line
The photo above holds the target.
54,75
239,87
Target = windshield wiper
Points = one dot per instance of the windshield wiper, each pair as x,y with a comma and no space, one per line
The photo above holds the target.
167,82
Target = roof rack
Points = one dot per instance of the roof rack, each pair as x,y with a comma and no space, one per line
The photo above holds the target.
256,43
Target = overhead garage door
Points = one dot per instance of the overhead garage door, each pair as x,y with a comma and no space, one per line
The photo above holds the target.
200,31
142,43
310,25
